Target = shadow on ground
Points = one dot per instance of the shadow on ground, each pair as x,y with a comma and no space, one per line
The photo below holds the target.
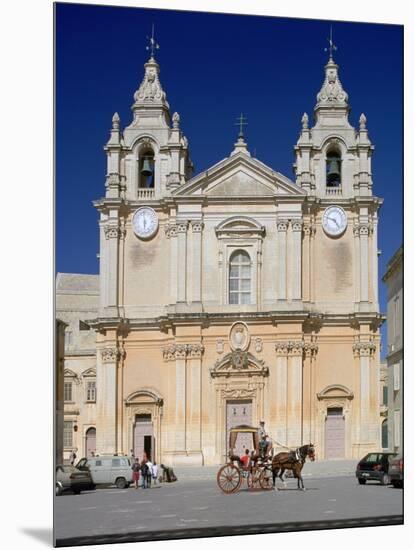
43,535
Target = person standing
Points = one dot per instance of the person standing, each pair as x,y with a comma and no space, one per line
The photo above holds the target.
149,474
72,457
136,467
155,472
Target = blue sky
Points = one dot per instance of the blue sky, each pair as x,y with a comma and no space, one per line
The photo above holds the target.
214,66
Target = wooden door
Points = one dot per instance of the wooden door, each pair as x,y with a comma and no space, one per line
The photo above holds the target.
238,413
143,436
335,434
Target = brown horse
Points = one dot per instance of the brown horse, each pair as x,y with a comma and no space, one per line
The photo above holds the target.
293,460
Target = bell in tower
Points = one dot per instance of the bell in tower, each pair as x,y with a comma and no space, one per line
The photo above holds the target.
146,171
333,170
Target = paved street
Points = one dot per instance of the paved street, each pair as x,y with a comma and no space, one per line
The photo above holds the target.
195,502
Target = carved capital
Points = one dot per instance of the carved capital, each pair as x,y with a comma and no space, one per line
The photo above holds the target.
112,354
282,225
170,230
197,226
182,227
297,225
296,347
282,348
171,352
309,229
364,349
310,349
195,351
114,232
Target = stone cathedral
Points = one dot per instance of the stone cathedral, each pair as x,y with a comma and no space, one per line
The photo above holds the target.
232,296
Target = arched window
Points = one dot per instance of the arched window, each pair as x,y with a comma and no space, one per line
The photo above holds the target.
384,434
333,169
240,278
146,175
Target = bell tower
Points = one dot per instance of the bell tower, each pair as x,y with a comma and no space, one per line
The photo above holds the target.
333,159
150,157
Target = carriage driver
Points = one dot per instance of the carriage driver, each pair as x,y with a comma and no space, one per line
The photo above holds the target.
264,444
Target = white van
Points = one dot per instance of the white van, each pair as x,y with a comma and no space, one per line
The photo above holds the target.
108,470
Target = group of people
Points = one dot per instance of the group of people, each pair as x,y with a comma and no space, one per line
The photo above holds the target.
146,469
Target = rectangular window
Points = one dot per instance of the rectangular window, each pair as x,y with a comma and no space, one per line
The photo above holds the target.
396,428
67,390
91,391
385,395
396,376
67,433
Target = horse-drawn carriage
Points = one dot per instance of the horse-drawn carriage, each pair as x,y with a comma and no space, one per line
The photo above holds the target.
257,472
261,469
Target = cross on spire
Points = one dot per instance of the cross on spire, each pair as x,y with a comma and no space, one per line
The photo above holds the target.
241,122
332,46
152,44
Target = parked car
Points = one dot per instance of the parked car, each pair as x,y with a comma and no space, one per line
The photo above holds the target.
396,471
374,466
69,478
108,470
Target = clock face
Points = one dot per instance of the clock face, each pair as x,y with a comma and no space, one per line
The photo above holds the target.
145,222
334,221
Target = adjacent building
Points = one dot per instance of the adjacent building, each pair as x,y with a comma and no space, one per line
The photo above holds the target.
228,297
77,298
393,278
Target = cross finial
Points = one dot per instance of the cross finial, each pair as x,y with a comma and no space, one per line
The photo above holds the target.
241,122
152,44
332,46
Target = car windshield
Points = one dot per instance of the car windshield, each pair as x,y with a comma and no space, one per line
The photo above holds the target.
372,457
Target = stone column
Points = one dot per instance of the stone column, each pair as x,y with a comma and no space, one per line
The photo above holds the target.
282,226
194,403
294,383
296,260
281,392
106,400
197,227
182,261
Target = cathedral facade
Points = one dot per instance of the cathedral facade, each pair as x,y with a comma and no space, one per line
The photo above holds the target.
236,295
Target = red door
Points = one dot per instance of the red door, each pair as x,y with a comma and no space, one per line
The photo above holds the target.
238,413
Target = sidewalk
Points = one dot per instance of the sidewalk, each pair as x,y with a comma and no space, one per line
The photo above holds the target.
320,468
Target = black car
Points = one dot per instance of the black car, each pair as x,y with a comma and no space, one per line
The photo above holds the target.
374,466
396,471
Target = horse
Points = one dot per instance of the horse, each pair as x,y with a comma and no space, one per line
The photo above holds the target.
293,460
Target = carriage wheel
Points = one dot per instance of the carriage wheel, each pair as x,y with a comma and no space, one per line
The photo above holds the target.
229,478
253,479
266,479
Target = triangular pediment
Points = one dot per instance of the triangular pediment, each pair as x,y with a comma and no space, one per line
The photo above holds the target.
239,176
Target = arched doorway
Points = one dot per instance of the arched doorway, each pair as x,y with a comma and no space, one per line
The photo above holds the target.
90,441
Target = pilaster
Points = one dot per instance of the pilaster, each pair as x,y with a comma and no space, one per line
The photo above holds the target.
296,261
282,227
197,228
182,228
106,399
